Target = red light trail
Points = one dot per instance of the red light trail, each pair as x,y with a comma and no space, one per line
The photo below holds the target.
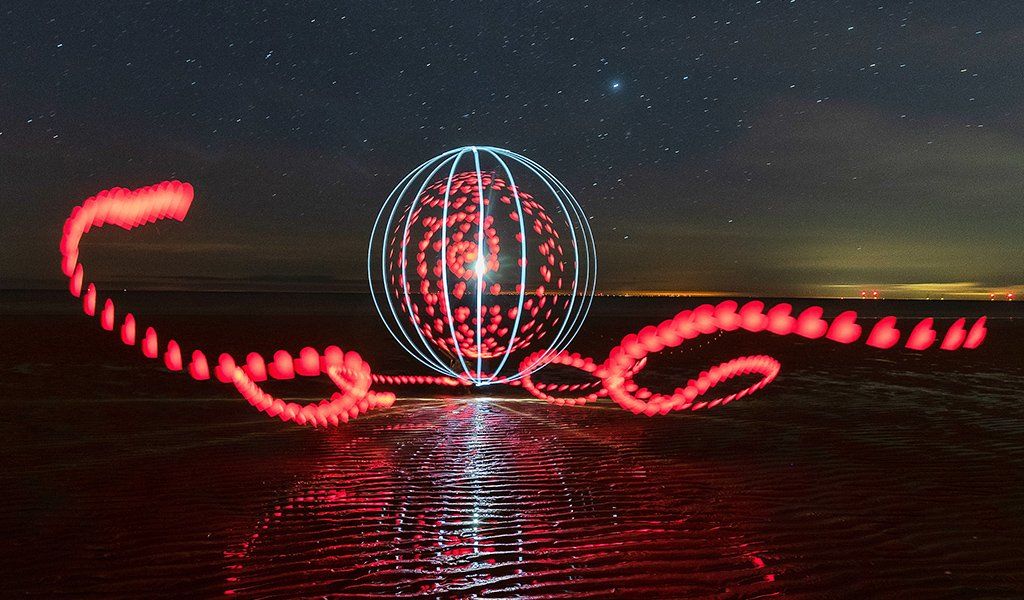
614,377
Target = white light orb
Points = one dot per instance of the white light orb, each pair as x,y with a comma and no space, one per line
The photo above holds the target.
478,259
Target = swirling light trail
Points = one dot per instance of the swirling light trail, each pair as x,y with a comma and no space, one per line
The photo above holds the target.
352,375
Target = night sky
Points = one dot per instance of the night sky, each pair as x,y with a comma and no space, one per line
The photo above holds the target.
756,147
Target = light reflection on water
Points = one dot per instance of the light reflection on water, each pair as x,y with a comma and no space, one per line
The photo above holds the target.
480,498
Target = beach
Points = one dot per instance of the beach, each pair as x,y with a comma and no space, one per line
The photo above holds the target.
857,473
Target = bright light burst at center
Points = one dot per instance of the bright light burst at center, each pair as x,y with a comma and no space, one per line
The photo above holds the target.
479,258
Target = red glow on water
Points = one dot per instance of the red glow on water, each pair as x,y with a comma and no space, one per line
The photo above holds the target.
613,377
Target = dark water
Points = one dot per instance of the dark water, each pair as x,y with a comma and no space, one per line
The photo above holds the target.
858,473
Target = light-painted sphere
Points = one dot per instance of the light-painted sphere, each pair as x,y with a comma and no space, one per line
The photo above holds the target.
479,258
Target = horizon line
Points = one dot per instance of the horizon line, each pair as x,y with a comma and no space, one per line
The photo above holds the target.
961,296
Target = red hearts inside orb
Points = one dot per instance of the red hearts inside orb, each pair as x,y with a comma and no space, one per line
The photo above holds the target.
441,280
478,258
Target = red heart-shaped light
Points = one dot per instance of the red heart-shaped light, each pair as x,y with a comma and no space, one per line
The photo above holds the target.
884,335
810,324
844,328
922,336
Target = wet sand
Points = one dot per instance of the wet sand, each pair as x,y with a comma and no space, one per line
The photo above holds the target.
857,474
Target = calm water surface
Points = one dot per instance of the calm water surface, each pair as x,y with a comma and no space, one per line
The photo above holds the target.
857,474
